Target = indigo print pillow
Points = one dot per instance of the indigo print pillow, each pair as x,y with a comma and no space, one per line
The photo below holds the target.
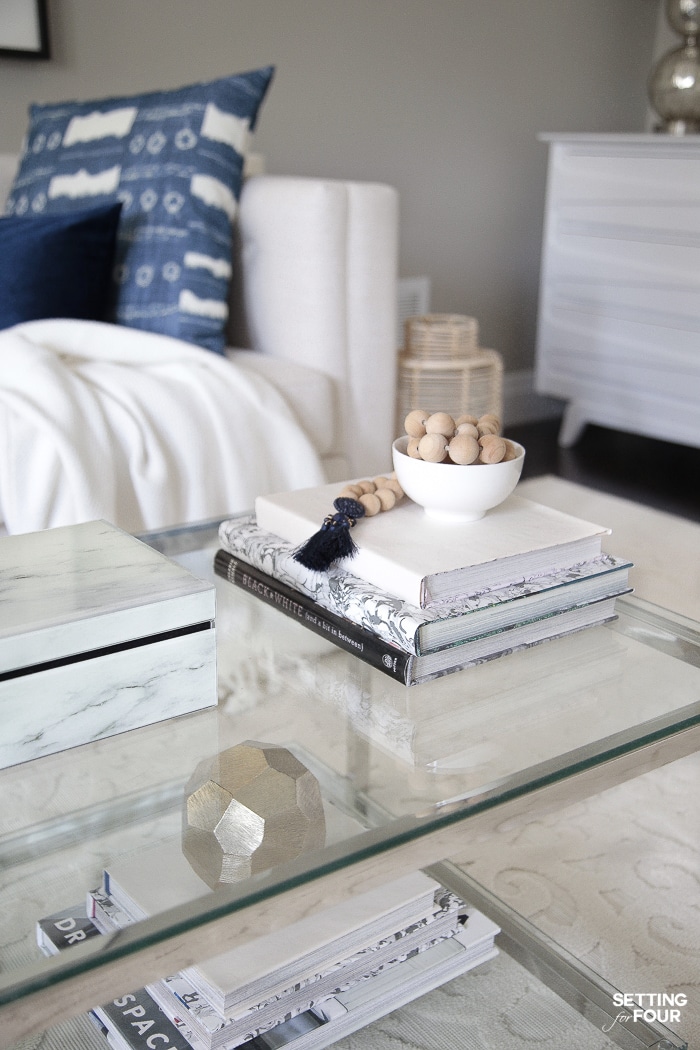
174,160
57,265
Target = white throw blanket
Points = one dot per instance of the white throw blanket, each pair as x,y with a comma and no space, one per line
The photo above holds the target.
103,421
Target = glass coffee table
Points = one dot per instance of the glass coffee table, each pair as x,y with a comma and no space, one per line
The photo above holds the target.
418,776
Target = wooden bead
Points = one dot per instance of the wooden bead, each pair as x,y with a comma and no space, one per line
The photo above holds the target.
395,487
493,448
386,497
467,428
370,501
349,492
414,423
412,448
489,424
433,448
380,482
463,449
466,419
365,486
487,428
440,423
511,452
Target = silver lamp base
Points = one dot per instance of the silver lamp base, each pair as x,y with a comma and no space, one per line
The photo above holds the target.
674,84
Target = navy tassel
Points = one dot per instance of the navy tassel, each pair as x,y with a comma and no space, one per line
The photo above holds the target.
333,540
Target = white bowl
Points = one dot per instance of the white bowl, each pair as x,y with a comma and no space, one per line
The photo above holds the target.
452,492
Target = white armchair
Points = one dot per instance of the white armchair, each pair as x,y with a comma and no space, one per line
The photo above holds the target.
314,309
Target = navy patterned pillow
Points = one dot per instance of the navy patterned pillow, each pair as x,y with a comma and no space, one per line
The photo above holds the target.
174,160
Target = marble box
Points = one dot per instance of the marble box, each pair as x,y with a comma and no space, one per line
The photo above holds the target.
99,634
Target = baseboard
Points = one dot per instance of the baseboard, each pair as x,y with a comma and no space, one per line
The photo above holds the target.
522,403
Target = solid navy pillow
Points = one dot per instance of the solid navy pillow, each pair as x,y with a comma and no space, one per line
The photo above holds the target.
57,265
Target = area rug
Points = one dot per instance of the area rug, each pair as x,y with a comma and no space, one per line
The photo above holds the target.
614,879
664,548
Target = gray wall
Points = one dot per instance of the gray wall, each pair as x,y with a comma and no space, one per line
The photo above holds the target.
441,98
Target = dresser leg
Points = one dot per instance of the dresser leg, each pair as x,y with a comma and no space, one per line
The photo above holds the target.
572,425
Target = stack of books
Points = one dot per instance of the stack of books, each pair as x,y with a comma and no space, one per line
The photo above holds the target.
420,600
307,985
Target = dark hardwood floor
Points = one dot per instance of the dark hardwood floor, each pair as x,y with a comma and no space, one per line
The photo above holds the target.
656,473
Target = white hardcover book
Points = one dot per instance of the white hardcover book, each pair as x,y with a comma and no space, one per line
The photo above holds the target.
422,561
176,998
266,967
154,880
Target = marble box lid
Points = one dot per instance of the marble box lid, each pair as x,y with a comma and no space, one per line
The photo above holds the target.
79,588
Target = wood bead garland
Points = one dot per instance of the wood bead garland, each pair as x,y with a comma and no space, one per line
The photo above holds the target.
438,438
361,499
382,494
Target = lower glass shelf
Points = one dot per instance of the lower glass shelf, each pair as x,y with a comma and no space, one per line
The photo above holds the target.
630,1020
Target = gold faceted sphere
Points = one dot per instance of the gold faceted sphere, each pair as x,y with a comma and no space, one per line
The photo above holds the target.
247,809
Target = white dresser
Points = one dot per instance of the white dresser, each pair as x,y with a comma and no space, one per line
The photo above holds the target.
619,312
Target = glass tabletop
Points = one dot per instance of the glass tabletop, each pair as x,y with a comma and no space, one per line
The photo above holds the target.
404,773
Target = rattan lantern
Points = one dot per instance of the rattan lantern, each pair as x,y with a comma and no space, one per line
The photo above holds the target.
443,369
436,337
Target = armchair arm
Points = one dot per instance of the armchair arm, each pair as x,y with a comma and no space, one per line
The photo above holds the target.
319,286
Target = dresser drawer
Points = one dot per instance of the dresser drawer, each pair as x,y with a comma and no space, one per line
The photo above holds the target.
618,332
656,171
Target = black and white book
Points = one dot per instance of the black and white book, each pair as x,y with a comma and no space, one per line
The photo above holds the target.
398,663
135,1021
415,630
65,928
